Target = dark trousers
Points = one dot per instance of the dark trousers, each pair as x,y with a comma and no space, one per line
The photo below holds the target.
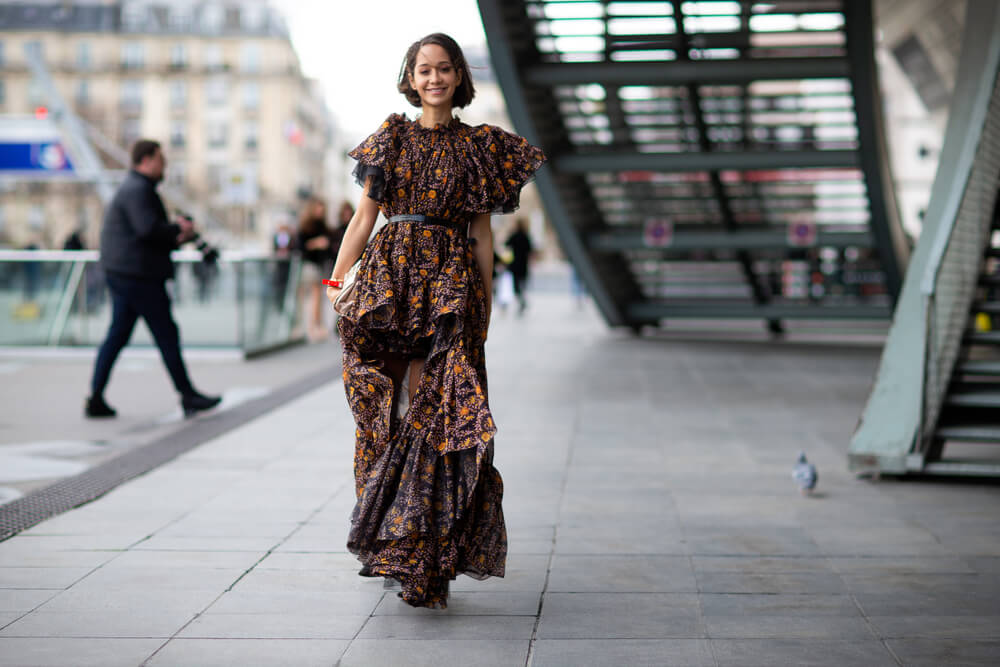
519,281
131,299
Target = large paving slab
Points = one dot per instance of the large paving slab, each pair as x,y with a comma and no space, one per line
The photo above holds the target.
651,514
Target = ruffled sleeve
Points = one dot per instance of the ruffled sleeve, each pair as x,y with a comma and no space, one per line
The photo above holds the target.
502,164
377,154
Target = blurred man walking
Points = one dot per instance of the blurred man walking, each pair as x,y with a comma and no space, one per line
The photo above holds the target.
136,242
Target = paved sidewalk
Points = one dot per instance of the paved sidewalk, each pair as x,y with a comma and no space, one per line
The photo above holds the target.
652,519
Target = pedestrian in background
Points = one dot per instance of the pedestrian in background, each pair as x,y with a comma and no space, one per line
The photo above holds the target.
429,498
282,246
136,242
337,233
315,242
520,247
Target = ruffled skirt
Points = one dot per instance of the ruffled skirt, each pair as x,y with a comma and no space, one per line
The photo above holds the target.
429,498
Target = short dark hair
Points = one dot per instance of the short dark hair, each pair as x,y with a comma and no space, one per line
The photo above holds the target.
465,91
143,149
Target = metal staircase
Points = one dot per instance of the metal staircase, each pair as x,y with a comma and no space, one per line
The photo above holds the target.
939,378
708,160
971,410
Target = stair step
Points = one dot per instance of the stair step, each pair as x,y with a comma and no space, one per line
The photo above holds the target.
962,468
986,307
981,398
982,337
970,433
979,367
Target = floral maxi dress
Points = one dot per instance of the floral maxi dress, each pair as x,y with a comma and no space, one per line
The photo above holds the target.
428,497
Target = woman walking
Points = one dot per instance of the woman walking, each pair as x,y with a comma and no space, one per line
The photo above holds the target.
316,243
429,497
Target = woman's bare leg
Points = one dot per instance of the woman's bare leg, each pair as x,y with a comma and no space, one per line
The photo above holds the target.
416,370
317,330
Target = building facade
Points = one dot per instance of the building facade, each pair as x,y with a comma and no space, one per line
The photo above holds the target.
217,83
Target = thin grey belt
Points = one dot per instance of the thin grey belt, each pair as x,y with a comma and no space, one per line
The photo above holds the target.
462,227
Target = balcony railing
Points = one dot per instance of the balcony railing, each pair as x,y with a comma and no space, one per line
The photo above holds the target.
245,301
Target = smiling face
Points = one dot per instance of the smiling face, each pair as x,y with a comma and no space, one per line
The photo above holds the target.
434,77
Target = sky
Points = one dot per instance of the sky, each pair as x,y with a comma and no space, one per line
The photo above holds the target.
355,48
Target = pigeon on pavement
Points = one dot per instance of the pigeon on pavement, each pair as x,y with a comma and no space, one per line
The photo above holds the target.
805,474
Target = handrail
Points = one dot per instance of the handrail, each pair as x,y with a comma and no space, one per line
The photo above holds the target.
185,255
893,433
67,298
949,280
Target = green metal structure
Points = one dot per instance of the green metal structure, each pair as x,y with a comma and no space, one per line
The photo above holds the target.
708,159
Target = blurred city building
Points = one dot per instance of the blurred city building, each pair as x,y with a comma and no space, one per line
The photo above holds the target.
217,83
917,54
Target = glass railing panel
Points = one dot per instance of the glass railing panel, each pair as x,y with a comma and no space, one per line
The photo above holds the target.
243,301
31,292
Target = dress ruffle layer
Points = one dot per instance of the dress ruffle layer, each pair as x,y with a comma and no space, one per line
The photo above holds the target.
448,171
429,499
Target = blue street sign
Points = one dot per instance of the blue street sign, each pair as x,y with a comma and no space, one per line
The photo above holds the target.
32,146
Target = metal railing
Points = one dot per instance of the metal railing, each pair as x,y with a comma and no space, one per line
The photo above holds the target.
950,278
895,432
245,301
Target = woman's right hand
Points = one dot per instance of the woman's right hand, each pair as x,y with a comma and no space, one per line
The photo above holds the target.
332,293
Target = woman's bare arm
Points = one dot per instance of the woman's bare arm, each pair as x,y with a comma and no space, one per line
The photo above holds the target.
481,231
355,238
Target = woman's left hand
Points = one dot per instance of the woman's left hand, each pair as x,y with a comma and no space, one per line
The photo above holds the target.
332,293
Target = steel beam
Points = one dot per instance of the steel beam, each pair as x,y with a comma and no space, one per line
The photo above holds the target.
505,67
698,161
632,239
677,73
652,311
894,250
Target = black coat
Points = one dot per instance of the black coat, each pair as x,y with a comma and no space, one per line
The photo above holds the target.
137,238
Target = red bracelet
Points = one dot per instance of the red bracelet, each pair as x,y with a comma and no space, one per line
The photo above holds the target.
339,284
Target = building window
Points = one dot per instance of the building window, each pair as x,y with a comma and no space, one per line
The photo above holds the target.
179,18
131,94
253,17
251,136
83,55
250,58
131,131
178,94
178,132
36,94
133,15
218,134
251,96
178,56
83,93
213,57
212,17
36,216
133,55
216,177
233,18
216,90
35,48
177,174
